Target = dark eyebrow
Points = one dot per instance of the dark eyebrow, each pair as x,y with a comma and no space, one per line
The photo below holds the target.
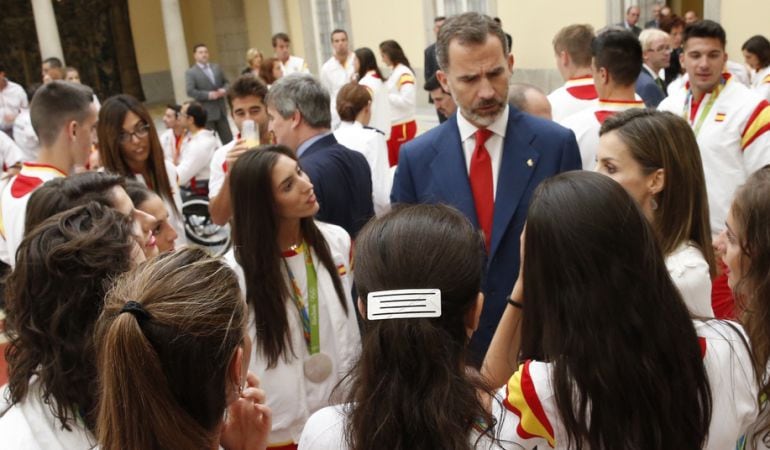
285,180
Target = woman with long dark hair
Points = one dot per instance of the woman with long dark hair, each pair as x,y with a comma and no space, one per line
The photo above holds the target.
173,348
410,388
609,357
744,247
368,74
53,298
129,146
655,157
402,96
294,272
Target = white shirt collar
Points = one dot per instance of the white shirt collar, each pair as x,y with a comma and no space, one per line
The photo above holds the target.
649,70
468,129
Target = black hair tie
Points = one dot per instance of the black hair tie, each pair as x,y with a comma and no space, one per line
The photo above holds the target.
137,310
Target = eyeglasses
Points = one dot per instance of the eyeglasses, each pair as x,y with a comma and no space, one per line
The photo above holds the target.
139,132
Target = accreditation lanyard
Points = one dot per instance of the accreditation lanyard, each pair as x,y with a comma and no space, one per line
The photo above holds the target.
706,109
309,314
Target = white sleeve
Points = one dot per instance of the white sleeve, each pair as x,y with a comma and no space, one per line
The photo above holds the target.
690,274
9,151
324,430
755,139
406,96
217,171
195,156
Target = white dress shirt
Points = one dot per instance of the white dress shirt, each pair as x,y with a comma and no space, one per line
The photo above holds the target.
494,143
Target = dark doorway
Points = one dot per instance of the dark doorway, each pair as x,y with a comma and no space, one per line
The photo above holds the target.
95,36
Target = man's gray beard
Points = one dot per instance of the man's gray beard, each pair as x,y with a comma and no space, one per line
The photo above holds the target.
482,121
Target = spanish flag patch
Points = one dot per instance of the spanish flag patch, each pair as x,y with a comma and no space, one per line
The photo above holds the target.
406,78
720,117
342,270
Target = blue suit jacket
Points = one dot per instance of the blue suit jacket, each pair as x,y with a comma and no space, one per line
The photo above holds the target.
342,182
432,169
650,92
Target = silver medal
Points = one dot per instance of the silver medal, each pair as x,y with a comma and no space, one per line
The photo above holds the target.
318,367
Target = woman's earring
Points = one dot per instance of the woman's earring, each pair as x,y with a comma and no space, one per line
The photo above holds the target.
653,204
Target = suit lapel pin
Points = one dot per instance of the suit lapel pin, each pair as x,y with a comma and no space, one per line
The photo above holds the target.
529,162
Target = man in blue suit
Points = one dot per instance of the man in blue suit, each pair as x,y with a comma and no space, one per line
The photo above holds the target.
300,118
656,55
487,159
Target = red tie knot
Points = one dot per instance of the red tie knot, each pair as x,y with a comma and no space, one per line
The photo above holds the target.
482,134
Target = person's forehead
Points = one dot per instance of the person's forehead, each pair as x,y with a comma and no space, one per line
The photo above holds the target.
703,44
459,51
247,102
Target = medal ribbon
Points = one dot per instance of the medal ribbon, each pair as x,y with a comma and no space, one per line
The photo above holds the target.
706,109
309,314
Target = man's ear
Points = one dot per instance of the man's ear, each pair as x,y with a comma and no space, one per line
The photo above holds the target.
296,119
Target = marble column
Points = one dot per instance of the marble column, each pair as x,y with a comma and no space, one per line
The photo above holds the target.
47,30
176,46
278,16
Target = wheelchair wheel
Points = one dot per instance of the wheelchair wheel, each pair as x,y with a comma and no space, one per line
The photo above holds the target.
199,228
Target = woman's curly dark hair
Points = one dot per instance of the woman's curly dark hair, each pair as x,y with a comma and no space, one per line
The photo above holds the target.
54,296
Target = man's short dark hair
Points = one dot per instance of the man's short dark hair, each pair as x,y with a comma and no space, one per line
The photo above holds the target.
245,86
198,114
282,36
55,104
176,108
432,84
620,53
335,31
628,10
705,29
439,19
53,62
197,46
303,93
467,28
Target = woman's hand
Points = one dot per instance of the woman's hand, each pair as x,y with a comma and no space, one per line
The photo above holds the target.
248,419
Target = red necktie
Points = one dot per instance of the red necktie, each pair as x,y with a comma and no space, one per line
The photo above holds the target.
481,184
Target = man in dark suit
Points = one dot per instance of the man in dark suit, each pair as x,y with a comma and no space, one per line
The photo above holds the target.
300,118
632,17
487,159
206,83
656,51
655,21
431,65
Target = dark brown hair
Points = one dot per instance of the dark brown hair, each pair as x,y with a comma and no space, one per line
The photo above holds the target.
366,62
61,194
394,52
54,105
245,86
467,28
163,378
760,46
610,321
661,140
266,71
751,213
351,100
111,117
53,298
255,239
409,366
